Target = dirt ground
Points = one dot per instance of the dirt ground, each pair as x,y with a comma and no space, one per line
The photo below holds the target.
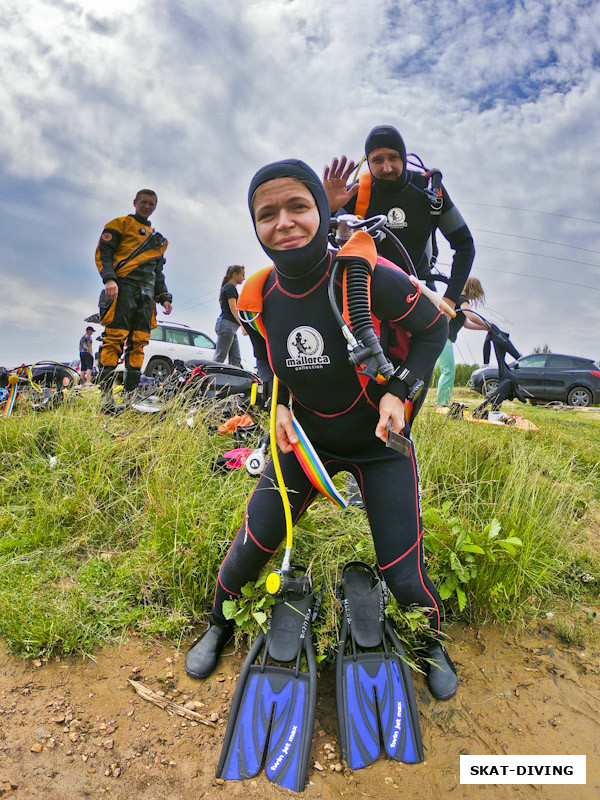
76,728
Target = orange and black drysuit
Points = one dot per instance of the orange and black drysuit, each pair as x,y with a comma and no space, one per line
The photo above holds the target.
131,253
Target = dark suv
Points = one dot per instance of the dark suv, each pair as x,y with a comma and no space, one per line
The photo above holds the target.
547,377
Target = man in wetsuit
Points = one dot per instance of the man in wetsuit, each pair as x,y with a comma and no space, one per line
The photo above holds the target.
129,258
398,193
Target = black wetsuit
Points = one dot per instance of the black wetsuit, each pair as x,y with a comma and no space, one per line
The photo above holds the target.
508,386
457,322
339,412
408,212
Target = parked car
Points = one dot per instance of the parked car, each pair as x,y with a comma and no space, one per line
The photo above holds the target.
170,341
547,377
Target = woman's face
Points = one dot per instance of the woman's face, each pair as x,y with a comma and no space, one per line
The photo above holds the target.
285,214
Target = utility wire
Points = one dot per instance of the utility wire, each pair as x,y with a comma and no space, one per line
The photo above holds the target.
525,275
531,239
540,278
528,210
538,255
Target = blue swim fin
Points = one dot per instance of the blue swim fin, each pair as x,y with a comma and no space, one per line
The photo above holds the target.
375,697
273,710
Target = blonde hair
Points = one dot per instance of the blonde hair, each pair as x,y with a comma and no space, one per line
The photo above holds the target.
473,291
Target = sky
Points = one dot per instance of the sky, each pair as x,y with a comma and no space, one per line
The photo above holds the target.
190,98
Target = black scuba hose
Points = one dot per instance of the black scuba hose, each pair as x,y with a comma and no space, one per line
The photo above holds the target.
369,352
357,281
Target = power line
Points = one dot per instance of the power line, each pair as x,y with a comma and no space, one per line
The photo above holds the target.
528,210
188,304
531,239
539,255
526,275
539,278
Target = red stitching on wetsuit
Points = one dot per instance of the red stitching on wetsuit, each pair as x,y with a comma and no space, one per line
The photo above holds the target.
410,549
410,310
434,605
337,413
255,540
309,498
269,290
435,320
222,585
309,291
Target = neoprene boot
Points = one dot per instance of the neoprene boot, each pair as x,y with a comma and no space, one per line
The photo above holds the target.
203,655
441,674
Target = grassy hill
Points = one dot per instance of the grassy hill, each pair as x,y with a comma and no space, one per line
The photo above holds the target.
107,533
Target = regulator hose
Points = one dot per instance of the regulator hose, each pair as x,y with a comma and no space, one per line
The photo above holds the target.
377,365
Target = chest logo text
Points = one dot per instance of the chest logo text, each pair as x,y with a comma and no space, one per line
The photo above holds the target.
305,347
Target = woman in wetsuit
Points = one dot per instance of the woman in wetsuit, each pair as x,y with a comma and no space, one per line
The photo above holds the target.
344,415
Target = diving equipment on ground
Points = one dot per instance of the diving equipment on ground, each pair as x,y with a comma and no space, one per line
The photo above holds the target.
273,710
375,697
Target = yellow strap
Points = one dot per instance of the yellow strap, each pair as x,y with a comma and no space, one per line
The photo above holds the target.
280,482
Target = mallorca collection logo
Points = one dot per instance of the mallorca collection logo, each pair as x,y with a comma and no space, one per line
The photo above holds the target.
305,346
396,218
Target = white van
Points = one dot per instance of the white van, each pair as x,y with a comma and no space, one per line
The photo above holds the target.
170,341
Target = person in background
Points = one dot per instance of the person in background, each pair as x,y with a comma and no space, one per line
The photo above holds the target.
86,357
130,259
471,297
388,187
398,192
228,320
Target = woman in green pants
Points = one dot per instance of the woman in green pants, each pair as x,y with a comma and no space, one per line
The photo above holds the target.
471,297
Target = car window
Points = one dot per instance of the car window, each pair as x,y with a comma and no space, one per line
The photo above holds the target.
158,334
567,362
177,336
201,340
535,360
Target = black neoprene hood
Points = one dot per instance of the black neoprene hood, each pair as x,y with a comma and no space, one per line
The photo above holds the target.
388,136
298,262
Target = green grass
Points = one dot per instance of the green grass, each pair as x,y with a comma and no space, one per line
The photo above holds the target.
126,535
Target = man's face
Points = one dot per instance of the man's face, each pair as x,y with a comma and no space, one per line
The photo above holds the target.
145,205
385,163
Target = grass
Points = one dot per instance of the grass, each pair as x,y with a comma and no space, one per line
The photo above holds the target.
125,535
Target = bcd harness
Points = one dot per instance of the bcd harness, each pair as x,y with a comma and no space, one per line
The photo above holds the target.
433,190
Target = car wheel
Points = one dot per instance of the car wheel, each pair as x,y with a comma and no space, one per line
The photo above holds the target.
159,368
580,397
490,386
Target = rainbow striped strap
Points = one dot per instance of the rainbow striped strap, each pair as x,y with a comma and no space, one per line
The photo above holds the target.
12,396
313,466
254,320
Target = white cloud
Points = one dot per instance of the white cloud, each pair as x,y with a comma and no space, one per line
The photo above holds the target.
191,98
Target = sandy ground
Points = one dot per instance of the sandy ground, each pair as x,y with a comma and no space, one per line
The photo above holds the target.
75,728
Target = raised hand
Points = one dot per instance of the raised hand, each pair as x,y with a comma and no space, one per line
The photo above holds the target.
335,178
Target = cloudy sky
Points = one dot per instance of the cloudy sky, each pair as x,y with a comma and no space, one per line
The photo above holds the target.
190,97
